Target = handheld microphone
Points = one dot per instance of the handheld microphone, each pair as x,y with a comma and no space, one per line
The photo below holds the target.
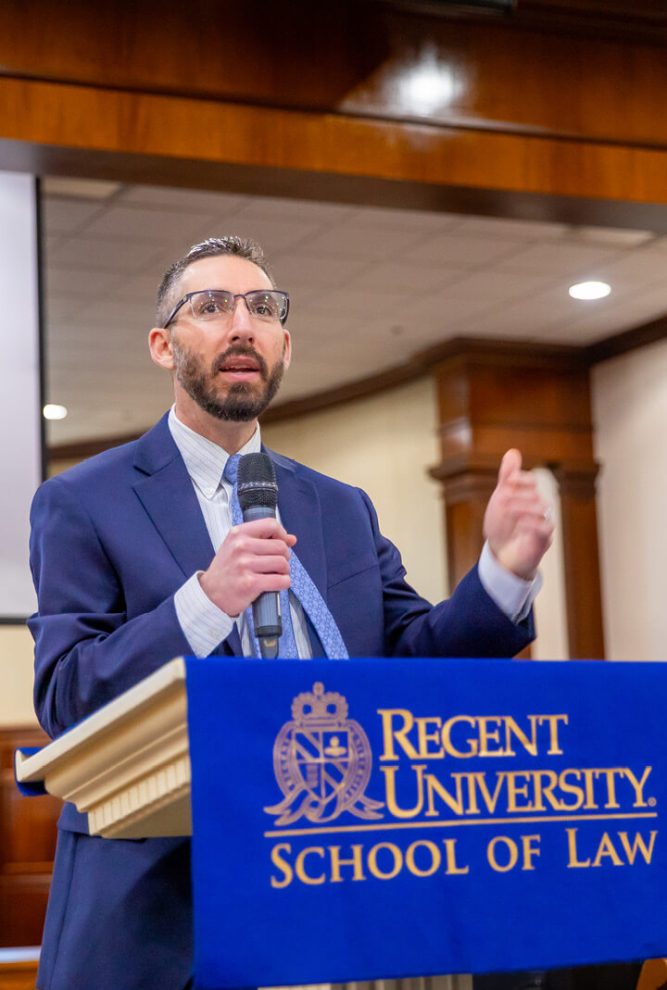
258,498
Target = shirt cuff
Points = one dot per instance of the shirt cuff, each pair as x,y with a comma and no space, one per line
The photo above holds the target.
512,594
204,625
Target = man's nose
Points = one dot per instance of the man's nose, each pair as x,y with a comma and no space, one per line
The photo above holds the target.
241,324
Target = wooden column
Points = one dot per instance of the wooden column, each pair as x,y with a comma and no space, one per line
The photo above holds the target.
492,397
27,846
581,558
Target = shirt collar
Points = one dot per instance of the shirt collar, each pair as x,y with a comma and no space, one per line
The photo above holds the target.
205,460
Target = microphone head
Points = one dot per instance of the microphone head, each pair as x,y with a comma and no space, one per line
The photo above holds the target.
256,480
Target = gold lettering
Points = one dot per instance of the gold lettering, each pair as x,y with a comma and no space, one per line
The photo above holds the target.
425,737
390,734
589,786
337,861
576,790
488,735
511,850
282,864
512,729
396,854
452,868
609,776
300,866
530,847
469,778
606,849
638,785
552,721
544,782
516,790
433,787
573,862
447,737
390,792
637,845
433,852
490,800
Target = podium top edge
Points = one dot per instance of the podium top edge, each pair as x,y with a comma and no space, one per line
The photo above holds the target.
32,769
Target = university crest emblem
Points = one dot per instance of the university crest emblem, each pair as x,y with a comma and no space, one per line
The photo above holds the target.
322,762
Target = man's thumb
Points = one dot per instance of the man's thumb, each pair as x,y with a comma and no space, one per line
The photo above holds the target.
510,463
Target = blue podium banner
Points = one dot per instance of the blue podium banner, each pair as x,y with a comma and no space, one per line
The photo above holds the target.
372,819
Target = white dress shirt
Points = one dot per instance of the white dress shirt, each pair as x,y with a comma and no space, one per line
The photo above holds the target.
205,626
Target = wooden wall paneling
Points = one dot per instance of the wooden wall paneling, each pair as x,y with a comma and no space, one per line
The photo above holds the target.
283,54
357,56
583,176
467,494
650,13
540,403
27,846
583,593
17,975
535,125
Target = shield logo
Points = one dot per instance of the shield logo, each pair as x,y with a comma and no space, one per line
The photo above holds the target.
322,761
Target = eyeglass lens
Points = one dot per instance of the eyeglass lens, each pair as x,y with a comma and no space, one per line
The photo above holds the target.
263,304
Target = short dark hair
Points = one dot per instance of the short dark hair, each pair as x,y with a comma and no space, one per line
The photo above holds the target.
242,247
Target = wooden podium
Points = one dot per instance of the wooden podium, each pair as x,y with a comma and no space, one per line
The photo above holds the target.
127,766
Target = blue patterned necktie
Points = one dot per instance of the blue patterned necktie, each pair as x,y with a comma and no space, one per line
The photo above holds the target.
302,588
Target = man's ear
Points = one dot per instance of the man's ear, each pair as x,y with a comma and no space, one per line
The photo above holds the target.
287,349
159,345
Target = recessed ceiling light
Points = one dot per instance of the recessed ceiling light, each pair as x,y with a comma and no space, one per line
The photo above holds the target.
429,85
589,290
53,411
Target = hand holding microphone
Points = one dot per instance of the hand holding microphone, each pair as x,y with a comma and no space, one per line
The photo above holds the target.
252,563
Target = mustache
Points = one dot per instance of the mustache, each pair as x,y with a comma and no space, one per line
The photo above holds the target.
237,350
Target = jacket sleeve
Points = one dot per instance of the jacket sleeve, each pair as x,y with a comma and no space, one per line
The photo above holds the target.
87,649
468,624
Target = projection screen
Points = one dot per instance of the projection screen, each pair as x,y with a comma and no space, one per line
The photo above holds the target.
20,394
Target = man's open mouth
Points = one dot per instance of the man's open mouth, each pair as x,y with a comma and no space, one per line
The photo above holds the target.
240,367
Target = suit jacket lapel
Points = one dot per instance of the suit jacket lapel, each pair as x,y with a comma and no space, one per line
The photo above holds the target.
301,514
168,496
166,492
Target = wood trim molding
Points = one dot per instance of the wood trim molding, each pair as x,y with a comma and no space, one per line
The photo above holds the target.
627,340
421,364
583,171
351,58
599,19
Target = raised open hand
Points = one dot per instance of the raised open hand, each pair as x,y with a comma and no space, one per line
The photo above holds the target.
518,522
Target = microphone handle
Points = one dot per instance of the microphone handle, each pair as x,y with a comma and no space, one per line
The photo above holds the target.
266,612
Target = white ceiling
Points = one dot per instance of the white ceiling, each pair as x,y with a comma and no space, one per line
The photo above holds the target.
369,287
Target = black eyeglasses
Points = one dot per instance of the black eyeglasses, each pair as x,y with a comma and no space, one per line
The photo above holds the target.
267,305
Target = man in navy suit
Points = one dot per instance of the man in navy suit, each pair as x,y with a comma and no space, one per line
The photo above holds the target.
135,560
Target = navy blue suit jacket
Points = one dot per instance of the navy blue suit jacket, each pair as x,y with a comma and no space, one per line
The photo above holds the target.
112,541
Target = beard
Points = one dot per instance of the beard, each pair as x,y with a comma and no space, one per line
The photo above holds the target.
243,401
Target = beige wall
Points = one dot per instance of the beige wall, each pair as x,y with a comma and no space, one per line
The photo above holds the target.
385,445
16,676
550,607
630,409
